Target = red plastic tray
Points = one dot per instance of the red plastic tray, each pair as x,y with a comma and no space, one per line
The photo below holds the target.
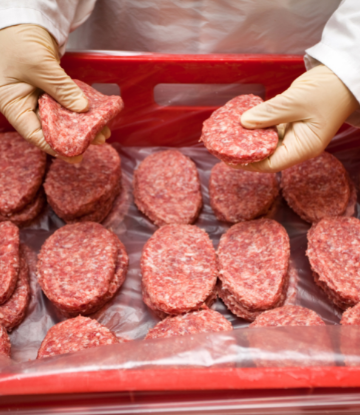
145,123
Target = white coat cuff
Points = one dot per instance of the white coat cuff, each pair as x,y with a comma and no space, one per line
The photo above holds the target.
342,64
22,15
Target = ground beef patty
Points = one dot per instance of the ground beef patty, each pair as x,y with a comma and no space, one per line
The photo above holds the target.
238,195
25,216
22,168
225,138
253,261
275,347
167,188
333,252
70,133
76,334
317,188
5,345
75,190
9,259
289,315
178,266
13,311
201,321
81,267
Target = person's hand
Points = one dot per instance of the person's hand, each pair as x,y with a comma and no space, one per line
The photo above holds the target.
29,64
311,111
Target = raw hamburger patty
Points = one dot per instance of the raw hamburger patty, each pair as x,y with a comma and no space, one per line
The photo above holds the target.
77,190
287,297
5,345
334,252
9,259
22,168
290,347
289,315
80,267
70,133
167,188
253,261
226,139
238,195
13,311
28,213
178,266
74,335
201,321
101,209
317,188
122,263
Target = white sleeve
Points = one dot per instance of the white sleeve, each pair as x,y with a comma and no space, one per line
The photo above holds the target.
339,49
58,17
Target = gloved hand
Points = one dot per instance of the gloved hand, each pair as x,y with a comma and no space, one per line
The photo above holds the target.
29,63
313,108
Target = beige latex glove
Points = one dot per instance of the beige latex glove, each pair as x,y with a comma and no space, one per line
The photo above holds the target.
313,109
29,64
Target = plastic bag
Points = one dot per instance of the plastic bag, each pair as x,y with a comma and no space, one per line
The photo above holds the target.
129,317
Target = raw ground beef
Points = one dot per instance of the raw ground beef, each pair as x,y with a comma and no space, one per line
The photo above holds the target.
317,188
289,315
13,311
81,267
201,321
9,259
178,266
225,138
238,195
253,262
101,209
74,335
122,263
75,190
310,346
27,215
334,255
70,133
167,188
22,168
5,345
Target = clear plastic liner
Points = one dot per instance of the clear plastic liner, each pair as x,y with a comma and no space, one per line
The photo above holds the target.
129,317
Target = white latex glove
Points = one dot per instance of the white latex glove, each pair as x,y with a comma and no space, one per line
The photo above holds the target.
29,64
313,109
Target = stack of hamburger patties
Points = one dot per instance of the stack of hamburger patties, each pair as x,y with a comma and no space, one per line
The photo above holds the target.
85,191
22,170
14,278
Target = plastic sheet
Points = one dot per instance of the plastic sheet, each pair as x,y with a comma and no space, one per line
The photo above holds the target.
128,316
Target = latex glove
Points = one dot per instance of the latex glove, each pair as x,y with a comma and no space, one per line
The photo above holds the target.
313,108
29,64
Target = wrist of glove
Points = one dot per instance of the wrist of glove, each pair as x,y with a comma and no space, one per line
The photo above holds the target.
30,64
309,114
